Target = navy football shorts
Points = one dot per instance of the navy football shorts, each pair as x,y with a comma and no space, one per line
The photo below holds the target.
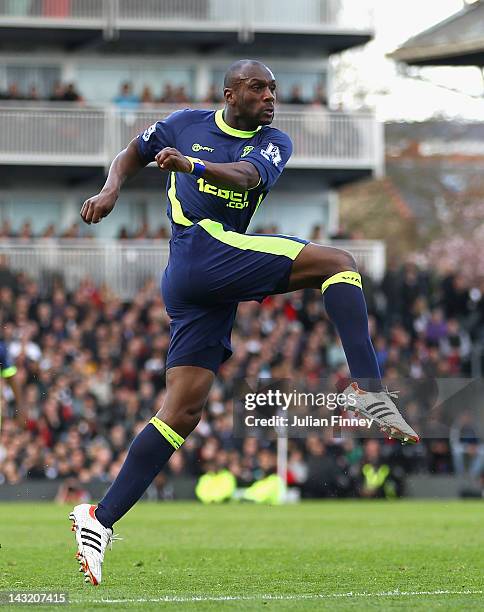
211,270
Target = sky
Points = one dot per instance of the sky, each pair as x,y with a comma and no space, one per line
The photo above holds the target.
365,77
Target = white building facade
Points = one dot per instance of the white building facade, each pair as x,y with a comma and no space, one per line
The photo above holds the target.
55,154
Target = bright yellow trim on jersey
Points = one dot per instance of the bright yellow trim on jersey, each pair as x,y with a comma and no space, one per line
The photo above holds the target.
262,244
168,433
176,207
219,120
351,277
9,372
261,197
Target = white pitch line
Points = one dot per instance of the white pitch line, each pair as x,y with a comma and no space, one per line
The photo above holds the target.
177,599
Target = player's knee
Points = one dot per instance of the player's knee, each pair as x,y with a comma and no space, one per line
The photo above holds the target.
188,418
343,261
193,413
182,416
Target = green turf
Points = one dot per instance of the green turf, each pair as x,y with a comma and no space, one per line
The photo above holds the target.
307,555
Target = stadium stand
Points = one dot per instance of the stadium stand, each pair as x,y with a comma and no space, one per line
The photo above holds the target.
162,52
91,370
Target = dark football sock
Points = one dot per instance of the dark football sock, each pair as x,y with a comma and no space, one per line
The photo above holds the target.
346,307
148,453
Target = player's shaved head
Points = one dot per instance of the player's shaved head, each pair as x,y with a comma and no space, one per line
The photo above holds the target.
244,69
250,94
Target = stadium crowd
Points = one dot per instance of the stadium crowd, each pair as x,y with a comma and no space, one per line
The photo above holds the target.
74,231
128,98
61,92
91,373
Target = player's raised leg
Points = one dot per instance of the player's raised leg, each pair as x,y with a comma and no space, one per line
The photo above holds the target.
187,391
335,273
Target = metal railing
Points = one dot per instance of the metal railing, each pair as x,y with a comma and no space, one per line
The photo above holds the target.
336,137
196,15
370,255
53,135
68,135
126,266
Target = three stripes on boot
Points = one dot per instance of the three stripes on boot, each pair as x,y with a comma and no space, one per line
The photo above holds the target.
375,411
91,538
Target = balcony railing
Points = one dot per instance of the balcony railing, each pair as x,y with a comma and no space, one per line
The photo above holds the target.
53,136
126,266
62,135
197,15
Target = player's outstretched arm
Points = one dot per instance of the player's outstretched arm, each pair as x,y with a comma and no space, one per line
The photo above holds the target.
236,175
127,163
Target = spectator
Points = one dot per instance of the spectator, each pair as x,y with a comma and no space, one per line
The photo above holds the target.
322,470
71,492
341,234
455,296
26,233
123,234
320,98
71,94
436,329
6,230
456,346
126,99
466,443
13,92
58,92
295,95
213,95
8,279
161,234
377,478
168,94
147,97
318,233
33,93
143,232
297,468
72,232
181,96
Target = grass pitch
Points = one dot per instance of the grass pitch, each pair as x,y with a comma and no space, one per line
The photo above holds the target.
319,555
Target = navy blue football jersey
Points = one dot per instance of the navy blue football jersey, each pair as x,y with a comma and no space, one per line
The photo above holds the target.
205,135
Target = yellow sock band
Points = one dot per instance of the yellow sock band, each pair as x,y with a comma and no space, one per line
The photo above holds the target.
350,277
167,432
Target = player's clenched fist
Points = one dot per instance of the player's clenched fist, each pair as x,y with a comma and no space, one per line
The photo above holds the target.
99,206
171,159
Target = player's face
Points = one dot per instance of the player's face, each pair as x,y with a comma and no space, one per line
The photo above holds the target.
255,96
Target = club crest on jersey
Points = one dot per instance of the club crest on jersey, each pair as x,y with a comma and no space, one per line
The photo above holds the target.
247,150
272,154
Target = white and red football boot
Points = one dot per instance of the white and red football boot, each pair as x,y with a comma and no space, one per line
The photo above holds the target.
92,539
380,407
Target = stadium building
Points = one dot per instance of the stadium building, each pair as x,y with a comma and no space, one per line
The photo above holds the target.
80,78
456,41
